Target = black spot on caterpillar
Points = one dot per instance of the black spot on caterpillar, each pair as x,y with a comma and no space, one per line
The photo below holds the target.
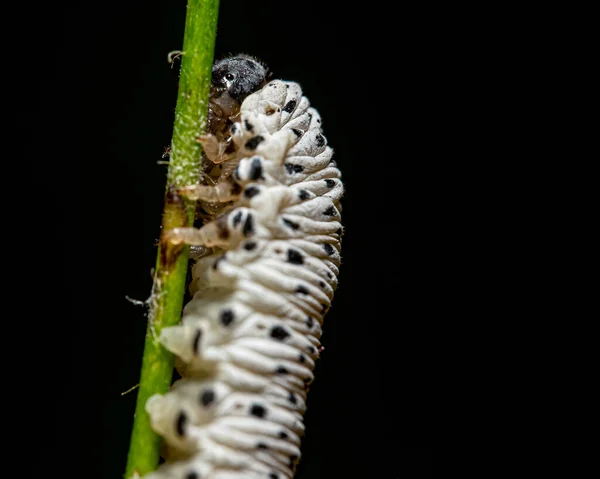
253,142
291,169
197,338
258,411
251,191
250,336
207,397
255,169
279,333
227,317
295,257
290,224
181,423
303,194
289,106
248,228
249,245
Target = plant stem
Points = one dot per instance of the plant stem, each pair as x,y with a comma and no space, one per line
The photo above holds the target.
172,261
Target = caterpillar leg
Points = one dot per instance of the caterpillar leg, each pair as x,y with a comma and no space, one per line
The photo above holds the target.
214,149
226,230
190,236
222,192
197,252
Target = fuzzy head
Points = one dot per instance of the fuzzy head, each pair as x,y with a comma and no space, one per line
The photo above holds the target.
233,79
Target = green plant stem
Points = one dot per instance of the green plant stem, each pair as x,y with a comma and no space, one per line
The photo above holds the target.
172,260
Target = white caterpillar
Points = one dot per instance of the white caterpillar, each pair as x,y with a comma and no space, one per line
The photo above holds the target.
249,338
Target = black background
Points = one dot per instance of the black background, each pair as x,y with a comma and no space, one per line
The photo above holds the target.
103,99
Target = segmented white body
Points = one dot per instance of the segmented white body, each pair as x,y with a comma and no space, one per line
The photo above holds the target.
250,336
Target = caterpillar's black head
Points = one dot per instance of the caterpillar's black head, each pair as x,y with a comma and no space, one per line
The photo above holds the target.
233,79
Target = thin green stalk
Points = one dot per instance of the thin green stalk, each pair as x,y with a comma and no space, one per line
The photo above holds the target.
171,262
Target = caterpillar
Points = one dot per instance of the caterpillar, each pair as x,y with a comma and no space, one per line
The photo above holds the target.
232,80
249,338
